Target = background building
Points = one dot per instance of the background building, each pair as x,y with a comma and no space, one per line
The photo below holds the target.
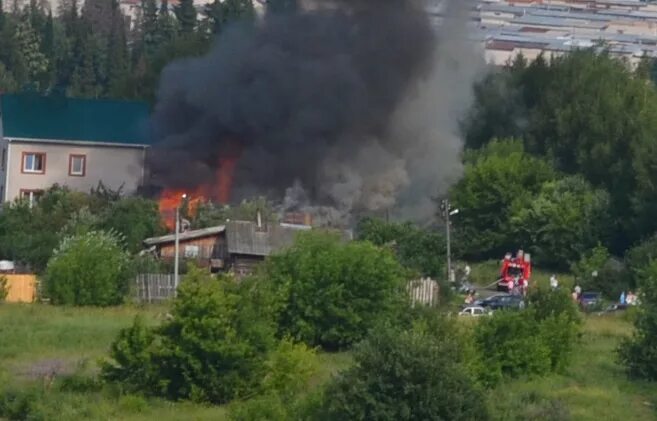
76,143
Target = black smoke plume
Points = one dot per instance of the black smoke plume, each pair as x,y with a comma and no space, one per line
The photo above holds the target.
316,104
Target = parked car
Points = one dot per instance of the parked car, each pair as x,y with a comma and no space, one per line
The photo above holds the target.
484,302
473,311
510,302
590,300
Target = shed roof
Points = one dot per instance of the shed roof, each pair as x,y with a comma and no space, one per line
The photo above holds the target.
187,235
243,237
32,116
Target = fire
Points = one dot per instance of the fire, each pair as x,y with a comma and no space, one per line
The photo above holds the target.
219,191
170,199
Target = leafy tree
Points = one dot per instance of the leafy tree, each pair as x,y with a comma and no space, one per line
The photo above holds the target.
330,293
564,220
135,218
639,257
639,353
405,375
88,269
218,357
597,270
417,249
498,179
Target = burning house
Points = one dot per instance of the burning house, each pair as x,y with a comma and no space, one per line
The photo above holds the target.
340,108
237,246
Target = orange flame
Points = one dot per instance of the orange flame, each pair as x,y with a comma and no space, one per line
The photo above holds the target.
218,191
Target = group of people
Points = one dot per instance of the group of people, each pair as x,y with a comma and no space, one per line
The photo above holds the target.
630,299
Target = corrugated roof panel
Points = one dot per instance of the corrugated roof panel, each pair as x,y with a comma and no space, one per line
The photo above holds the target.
60,118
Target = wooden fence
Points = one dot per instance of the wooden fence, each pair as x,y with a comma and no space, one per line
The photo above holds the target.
158,287
424,291
154,287
21,288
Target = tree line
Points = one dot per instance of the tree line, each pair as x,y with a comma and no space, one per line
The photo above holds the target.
94,50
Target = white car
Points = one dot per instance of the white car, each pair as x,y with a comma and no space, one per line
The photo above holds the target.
473,311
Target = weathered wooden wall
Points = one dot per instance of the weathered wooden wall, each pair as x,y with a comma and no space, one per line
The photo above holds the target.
21,288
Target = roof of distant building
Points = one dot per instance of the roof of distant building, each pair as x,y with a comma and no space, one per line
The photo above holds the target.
184,236
58,118
244,237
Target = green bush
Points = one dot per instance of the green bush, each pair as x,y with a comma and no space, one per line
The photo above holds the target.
511,345
639,353
88,269
215,347
132,366
559,323
404,375
330,293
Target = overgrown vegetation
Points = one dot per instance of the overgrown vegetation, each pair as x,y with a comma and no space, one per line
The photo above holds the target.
88,269
330,293
406,375
639,353
532,342
213,349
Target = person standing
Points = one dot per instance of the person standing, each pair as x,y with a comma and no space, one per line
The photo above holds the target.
622,298
554,282
578,291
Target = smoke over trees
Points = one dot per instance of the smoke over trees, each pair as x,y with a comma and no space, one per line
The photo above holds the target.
346,107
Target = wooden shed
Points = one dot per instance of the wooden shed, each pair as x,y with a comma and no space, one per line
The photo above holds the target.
207,246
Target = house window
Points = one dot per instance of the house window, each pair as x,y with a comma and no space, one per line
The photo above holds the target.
34,162
32,196
77,165
191,252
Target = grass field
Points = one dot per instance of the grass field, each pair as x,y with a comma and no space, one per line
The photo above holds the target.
36,340
593,388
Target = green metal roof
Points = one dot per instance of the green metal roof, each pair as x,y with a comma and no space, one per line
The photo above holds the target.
60,118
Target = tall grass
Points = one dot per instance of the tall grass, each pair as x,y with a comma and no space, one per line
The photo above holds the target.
593,388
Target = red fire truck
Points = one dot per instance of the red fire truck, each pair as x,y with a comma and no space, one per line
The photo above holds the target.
515,272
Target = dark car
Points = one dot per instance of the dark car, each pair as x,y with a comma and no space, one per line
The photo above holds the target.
498,302
590,300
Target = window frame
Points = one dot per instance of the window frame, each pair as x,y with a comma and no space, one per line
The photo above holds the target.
31,192
73,156
23,162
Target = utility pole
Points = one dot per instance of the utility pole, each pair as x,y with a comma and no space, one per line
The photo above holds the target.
447,211
177,248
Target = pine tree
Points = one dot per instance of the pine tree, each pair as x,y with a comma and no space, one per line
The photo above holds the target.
2,15
84,81
220,13
186,15
29,43
166,24
149,26
118,64
282,6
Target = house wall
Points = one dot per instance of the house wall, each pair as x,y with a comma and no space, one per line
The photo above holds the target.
207,247
113,165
